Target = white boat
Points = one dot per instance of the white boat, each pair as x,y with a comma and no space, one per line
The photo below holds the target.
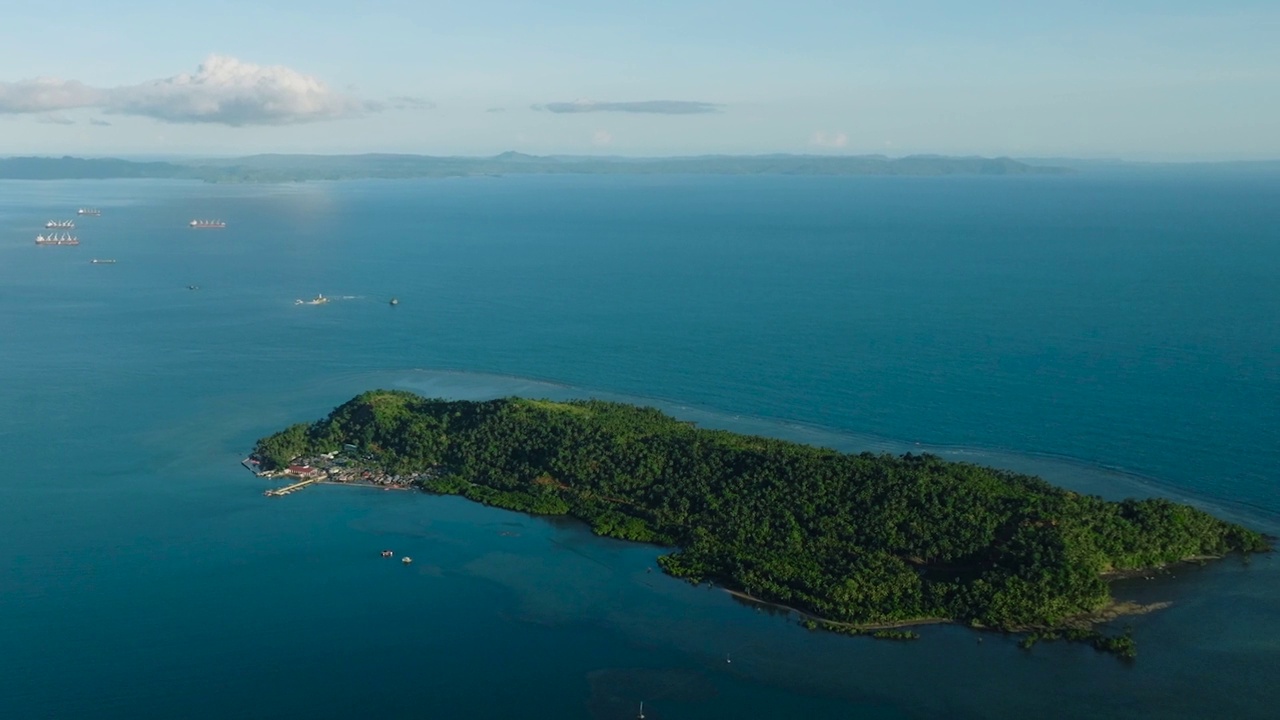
60,224
406,559
52,239
96,261
207,224
317,300
88,211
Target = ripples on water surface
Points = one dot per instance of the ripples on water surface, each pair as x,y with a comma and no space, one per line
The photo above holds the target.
1061,326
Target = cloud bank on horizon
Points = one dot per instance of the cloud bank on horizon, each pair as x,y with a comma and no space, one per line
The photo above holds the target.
659,107
223,90
407,102
55,119
824,139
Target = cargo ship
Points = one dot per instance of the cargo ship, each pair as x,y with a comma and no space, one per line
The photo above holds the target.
60,224
96,261
52,239
207,224
88,211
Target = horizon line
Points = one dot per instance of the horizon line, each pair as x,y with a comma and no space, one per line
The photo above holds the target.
161,157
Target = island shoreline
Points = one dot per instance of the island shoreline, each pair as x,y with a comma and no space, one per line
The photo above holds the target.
773,521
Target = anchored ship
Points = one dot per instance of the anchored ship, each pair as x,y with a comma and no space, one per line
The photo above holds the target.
97,261
52,239
67,224
88,211
208,224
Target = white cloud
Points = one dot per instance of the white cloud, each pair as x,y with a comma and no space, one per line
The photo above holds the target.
227,91
601,138
46,95
222,90
821,138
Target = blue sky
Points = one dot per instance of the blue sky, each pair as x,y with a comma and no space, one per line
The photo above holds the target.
1169,80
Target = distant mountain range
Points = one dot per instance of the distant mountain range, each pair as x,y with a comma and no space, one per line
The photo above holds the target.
294,168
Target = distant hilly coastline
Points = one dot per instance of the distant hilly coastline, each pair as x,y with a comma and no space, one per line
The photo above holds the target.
297,168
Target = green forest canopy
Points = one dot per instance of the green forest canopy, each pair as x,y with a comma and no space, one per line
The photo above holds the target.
860,538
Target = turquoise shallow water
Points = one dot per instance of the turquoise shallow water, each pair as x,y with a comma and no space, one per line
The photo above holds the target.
1115,333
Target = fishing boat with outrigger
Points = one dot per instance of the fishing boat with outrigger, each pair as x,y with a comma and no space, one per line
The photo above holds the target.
207,224
52,239
60,224
88,211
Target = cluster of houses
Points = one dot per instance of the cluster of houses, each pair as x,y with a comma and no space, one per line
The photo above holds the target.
334,467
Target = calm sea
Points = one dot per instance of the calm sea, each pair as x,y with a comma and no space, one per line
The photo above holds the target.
1114,332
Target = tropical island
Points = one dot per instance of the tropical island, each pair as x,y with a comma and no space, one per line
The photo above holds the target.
858,543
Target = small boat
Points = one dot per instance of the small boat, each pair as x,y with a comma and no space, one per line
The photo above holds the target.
63,239
317,300
395,301
193,287
387,553
406,559
96,261
640,715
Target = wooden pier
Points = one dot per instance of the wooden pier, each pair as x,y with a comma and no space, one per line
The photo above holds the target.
281,492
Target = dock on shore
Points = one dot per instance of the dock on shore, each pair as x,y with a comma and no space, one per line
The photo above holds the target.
281,492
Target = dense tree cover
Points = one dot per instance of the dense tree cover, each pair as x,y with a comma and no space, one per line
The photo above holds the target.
1122,645
857,538
278,450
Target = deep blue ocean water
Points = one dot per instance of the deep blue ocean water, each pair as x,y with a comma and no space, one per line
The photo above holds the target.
1113,332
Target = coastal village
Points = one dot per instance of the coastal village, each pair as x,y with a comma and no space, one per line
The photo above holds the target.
337,468
342,467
